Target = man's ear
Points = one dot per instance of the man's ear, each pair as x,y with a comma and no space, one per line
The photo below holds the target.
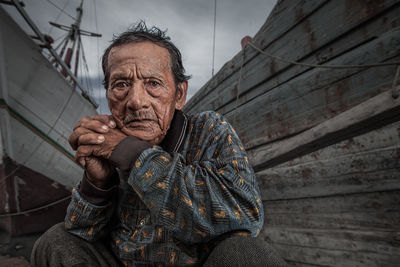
180,97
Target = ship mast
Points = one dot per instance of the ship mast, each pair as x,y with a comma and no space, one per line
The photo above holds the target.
46,43
72,44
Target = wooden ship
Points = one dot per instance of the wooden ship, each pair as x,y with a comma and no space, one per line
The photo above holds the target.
324,141
41,99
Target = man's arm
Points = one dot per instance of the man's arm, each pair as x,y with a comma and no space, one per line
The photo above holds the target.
92,205
90,210
211,192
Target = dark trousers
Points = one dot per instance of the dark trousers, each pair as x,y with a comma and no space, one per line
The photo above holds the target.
57,247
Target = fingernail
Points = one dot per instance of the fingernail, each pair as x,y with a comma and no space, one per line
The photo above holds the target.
112,124
104,127
100,138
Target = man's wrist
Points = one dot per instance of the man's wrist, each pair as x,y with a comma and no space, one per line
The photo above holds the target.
103,184
94,193
126,153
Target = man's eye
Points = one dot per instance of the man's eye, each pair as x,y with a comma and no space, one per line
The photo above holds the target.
121,84
153,84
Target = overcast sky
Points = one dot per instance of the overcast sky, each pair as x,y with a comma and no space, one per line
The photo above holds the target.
189,24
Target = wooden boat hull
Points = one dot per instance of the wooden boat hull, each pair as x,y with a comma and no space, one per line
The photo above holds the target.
324,143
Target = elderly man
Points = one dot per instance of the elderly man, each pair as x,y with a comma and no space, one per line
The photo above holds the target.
160,188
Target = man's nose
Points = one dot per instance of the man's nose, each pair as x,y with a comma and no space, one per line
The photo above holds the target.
138,98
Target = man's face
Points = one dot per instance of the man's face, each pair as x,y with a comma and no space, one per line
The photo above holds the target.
141,92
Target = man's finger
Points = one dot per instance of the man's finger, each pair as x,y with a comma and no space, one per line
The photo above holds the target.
78,124
90,139
84,151
95,126
106,119
73,138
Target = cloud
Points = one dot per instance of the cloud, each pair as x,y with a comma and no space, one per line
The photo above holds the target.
189,24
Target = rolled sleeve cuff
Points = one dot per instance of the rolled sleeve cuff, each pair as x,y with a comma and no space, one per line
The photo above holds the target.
127,152
95,195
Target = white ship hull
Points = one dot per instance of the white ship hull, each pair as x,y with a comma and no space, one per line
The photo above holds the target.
38,109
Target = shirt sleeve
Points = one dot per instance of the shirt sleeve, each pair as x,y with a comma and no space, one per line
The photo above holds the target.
210,192
91,208
88,215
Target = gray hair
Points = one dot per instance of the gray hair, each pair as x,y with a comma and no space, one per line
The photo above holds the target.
140,33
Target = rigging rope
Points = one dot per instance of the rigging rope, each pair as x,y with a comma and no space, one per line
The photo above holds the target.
215,23
59,37
62,42
98,54
88,83
47,53
51,128
58,16
61,10
238,87
35,209
326,66
395,90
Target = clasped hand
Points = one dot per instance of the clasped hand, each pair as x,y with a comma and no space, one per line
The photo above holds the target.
94,139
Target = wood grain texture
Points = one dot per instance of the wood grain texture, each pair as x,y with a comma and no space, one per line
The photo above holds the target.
325,144
302,102
376,211
365,163
281,20
296,39
348,240
369,115
329,257
384,137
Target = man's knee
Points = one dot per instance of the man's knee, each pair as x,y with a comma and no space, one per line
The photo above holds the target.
244,251
49,244
57,247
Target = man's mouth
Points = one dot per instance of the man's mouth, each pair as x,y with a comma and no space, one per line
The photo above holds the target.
140,119
139,123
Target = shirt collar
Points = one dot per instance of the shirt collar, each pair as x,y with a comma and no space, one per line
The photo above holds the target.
175,137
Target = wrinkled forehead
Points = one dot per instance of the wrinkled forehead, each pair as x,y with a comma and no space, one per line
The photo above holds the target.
145,55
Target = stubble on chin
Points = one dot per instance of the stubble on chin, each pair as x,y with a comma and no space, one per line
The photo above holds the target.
149,134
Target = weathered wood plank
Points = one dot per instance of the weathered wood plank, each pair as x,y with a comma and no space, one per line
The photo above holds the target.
298,11
350,221
388,136
339,46
298,38
382,242
362,164
364,117
225,76
365,203
328,257
284,17
254,78
321,200
367,172
280,105
299,104
378,211
287,16
300,264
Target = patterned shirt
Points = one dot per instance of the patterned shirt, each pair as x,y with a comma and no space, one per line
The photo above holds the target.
174,206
